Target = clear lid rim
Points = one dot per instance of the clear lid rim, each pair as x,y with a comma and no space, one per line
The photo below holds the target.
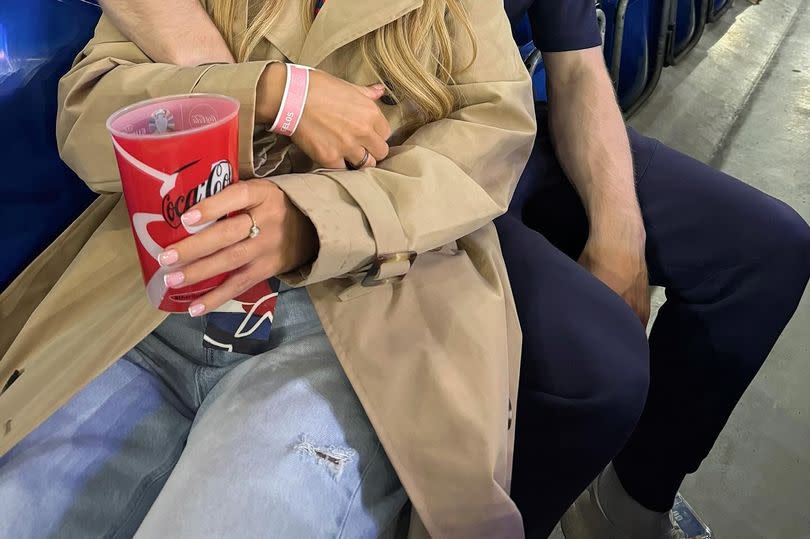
129,108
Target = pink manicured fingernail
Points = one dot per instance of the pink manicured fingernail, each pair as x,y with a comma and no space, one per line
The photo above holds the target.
196,310
174,279
167,258
191,217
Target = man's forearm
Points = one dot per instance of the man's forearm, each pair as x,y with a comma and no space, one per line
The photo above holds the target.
590,139
180,32
177,32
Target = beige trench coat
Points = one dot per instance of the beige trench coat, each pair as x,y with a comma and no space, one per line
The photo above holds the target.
433,359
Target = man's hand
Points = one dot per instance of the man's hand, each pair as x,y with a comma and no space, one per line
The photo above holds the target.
590,140
615,256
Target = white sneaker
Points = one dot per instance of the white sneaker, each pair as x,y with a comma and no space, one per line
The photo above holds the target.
587,518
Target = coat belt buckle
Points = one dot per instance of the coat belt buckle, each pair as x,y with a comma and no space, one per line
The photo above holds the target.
375,275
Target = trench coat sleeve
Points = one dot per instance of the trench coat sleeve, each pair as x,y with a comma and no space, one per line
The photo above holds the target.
445,181
112,72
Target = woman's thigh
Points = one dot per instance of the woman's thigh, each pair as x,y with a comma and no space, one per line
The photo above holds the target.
281,447
95,466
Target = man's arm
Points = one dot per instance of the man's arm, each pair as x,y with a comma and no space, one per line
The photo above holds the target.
590,140
184,41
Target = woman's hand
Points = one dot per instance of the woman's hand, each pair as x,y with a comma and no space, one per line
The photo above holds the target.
287,240
341,120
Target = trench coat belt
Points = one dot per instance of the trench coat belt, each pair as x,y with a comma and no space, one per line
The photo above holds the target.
394,259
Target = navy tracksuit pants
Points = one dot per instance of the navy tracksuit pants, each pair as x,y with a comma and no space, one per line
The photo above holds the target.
734,262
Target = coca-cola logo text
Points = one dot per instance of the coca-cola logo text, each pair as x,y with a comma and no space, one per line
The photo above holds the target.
174,205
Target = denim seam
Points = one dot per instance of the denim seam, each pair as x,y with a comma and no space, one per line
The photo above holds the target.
177,401
396,514
158,474
357,490
198,397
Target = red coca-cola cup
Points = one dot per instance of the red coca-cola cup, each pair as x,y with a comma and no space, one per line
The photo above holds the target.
172,153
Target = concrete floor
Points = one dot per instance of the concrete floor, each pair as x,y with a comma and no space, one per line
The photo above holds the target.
741,101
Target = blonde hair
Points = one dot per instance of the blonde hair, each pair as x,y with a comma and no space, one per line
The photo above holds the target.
395,52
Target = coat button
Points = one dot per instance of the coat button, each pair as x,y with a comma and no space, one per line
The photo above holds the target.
509,421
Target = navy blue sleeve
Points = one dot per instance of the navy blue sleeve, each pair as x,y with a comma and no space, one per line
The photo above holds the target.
564,25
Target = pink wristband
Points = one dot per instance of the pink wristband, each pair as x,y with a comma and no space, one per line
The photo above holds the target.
293,101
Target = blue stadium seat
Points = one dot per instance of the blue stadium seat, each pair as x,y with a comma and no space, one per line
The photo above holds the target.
684,22
538,70
635,46
522,33
716,9
635,36
687,22
40,195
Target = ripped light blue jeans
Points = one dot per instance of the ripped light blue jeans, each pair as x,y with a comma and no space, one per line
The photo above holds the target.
176,440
